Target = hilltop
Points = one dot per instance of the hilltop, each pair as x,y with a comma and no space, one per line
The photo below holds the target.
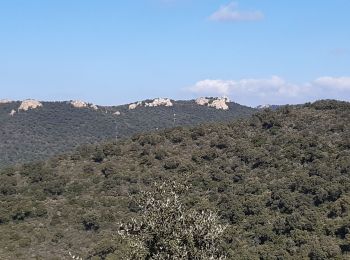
33,130
279,180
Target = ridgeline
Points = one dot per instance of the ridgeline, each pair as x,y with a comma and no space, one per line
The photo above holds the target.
59,127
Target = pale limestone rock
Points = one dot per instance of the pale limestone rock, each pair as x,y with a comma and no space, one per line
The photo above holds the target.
132,106
202,101
93,106
263,106
82,104
155,103
13,112
5,101
78,104
29,104
219,104
160,102
135,105
117,113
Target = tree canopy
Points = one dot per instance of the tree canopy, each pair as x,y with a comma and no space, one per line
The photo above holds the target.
279,182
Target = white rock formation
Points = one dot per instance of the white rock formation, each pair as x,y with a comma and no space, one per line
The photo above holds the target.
160,102
117,113
263,106
5,101
132,106
13,112
82,104
79,104
202,101
217,103
155,103
135,105
29,104
220,103
93,106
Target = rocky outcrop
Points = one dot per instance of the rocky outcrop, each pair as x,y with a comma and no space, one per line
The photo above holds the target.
160,102
82,104
79,104
135,105
29,104
217,103
117,113
5,101
263,106
13,112
166,102
202,101
93,106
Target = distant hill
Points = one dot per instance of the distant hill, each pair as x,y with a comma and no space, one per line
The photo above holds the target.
279,180
33,130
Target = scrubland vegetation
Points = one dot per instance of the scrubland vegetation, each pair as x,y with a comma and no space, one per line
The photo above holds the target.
277,185
58,127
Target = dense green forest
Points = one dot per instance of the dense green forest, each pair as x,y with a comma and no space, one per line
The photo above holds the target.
58,127
279,180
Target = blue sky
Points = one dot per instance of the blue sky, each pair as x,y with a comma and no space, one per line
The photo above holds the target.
114,52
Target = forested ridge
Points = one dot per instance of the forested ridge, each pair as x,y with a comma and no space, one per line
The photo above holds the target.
279,180
58,127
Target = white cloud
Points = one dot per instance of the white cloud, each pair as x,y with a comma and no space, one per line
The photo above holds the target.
259,87
274,90
230,12
221,87
341,84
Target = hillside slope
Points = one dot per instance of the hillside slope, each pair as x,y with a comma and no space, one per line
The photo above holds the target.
280,180
57,127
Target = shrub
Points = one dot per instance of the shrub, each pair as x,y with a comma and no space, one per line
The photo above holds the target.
88,169
98,156
171,164
168,230
90,222
108,170
160,154
24,242
111,149
55,187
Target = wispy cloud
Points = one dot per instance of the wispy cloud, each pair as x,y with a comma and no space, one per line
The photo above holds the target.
231,13
275,90
340,84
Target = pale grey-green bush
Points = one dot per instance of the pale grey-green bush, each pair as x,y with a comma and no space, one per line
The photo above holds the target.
168,230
